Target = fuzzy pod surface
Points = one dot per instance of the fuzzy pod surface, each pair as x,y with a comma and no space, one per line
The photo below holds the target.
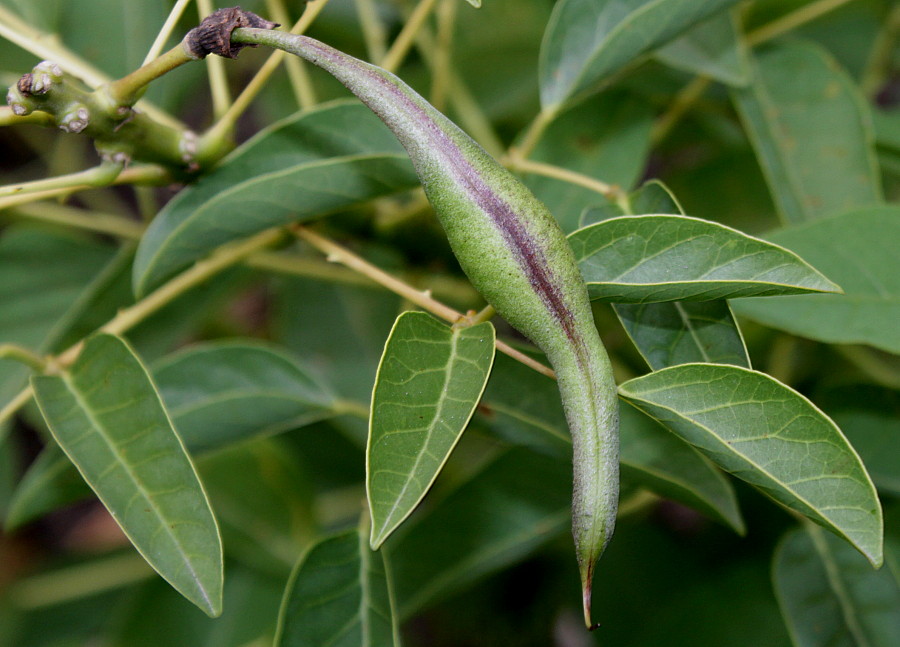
514,253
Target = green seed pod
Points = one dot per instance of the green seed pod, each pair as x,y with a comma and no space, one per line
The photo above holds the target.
515,254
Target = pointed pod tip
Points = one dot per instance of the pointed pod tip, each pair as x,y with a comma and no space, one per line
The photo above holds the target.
586,602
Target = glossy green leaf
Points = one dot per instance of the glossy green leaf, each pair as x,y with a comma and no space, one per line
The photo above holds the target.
217,394
430,379
713,48
647,259
329,158
831,597
222,392
769,435
523,407
108,417
654,459
606,137
684,332
652,197
812,133
870,417
516,504
588,40
339,595
679,332
858,250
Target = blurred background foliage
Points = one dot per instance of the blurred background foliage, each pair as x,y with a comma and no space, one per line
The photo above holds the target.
671,576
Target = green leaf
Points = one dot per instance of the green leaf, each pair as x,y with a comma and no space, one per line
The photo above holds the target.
647,259
658,461
523,407
516,504
222,392
831,597
714,48
588,40
679,332
769,435
217,394
654,197
870,418
338,329
314,163
339,595
607,137
812,133
887,129
107,416
858,250
684,332
475,3
263,501
430,378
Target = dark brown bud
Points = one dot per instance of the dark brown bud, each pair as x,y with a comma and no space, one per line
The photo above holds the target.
24,84
213,35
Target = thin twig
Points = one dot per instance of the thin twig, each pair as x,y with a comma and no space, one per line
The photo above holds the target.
374,33
424,300
215,67
166,31
38,117
470,114
533,133
404,41
608,191
45,46
224,125
127,318
793,20
694,90
140,174
297,70
22,355
99,176
440,73
71,217
683,101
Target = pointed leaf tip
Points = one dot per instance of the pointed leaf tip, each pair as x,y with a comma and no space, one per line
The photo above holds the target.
122,441
784,445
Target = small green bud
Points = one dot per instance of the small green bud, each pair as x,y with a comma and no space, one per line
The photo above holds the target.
76,120
18,103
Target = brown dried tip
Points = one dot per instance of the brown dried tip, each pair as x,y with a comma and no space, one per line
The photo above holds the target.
24,84
213,35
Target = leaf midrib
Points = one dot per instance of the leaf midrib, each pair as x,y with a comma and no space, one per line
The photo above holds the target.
102,432
731,450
